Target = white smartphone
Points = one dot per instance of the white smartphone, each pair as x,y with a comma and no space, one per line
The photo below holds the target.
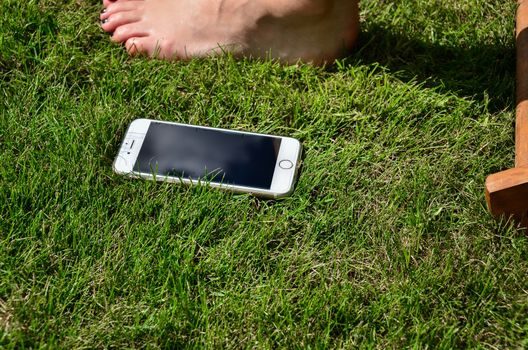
263,165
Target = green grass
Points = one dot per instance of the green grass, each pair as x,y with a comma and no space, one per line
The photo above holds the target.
385,243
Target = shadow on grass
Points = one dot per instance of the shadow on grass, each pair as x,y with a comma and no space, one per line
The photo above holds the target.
479,71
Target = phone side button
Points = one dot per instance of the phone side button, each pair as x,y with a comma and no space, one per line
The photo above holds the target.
286,164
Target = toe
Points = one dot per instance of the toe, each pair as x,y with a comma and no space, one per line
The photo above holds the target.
147,45
138,45
131,30
123,6
114,21
107,3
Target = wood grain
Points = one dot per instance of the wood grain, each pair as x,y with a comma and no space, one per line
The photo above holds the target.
521,124
507,191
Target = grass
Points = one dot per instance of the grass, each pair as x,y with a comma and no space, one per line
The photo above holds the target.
385,243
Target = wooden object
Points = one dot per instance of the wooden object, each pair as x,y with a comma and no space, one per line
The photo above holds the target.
507,191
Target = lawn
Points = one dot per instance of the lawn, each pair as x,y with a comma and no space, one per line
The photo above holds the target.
385,243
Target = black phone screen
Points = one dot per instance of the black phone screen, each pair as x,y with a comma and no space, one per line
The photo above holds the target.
211,155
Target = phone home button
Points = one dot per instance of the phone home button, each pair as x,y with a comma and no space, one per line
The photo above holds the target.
286,164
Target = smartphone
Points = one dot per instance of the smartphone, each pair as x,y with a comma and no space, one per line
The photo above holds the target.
263,165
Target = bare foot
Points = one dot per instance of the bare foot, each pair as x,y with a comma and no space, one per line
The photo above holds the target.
314,31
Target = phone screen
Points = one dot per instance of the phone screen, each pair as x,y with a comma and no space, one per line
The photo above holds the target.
212,155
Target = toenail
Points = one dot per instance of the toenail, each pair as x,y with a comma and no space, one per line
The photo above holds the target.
104,21
103,11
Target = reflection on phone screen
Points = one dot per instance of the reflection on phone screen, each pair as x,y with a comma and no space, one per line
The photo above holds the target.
210,155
